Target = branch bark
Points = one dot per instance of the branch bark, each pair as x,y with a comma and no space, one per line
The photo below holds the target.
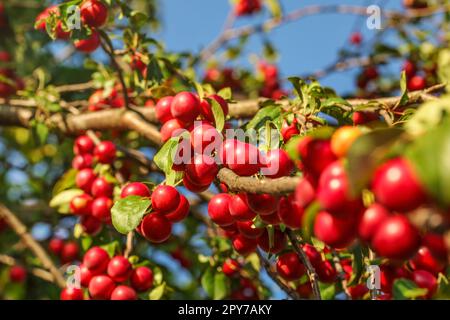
274,276
313,278
37,272
298,14
21,230
277,186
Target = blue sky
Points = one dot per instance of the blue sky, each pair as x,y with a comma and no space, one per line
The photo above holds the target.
304,46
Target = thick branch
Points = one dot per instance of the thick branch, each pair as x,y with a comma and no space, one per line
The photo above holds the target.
313,278
21,230
254,185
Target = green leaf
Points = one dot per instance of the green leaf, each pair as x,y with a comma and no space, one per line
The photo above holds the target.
265,114
428,116
154,71
406,289
225,93
429,155
165,156
297,83
199,89
207,282
173,178
86,242
138,18
111,248
253,259
404,88
443,61
127,213
366,153
219,117
216,284
65,182
157,292
317,243
357,264
274,8
64,197
157,276
308,220
335,101
40,131
221,286
327,291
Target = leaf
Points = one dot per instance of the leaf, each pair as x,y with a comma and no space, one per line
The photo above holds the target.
127,213
199,89
265,114
207,282
111,248
154,71
86,242
221,286
253,259
219,117
404,88
164,158
406,289
216,284
173,178
327,291
357,264
366,153
138,18
429,155
335,101
443,67
308,220
40,131
64,197
274,8
65,182
157,292
428,116
297,83
157,276
317,243
225,93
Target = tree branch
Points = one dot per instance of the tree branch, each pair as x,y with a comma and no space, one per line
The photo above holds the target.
313,278
254,185
21,230
274,276
37,272
298,14
107,47
340,271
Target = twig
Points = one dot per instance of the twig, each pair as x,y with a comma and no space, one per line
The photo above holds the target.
274,276
21,230
107,47
313,278
340,272
75,87
298,14
37,272
129,247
